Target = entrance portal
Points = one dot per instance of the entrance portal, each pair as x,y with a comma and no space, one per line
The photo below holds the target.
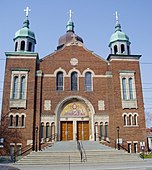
66,130
83,130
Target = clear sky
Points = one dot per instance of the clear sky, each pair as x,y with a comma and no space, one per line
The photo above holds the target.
94,22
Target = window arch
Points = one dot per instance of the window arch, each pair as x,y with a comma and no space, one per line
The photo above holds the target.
135,119
16,45
30,46
59,81
115,49
22,120
17,120
74,81
11,120
42,130
122,48
47,129
106,129
130,120
22,88
15,87
88,81
130,81
22,45
125,120
124,92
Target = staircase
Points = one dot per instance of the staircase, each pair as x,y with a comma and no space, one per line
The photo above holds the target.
65,152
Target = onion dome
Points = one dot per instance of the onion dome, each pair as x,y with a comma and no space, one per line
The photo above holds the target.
70,36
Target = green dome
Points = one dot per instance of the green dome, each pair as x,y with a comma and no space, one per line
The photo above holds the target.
25,32
118,35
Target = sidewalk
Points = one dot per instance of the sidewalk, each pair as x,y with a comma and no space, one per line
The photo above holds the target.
143,165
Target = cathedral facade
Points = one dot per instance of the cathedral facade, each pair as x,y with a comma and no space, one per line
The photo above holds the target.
73,94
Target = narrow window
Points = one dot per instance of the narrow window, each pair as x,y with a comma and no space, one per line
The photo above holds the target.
12,152
59,81
130,88
22,120
128,48
135,119
22,88
19,151
96,130
30,46
101,130
17,120
16,45
42,130
11,120
122,48
22,45
47,130
106,130
15,87
124,89
130,120
74,81
135,147
115,49
125,120
129,147
88,81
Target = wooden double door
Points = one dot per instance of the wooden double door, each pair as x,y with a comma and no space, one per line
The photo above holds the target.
66,130
83,130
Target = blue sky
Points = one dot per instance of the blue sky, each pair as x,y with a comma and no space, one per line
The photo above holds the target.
94,22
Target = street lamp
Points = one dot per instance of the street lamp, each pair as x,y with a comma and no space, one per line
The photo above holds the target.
36,130
118,128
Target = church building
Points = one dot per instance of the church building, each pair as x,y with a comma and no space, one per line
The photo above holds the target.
73,93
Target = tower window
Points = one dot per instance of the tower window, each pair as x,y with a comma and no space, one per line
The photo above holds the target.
124,88
22,88
30,46
15,87
74,81
11,120
130,120
23,120
128,48
130,88
115,49
59,81
122,48
135,119
16,45
22,45
17,120
88,81
125,120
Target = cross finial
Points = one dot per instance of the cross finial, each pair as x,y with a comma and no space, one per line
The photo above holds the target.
27,10
70,15
117,18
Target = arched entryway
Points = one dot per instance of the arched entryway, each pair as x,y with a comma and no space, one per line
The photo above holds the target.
74,119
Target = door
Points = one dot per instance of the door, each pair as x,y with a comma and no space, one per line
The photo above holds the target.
83,130
66,130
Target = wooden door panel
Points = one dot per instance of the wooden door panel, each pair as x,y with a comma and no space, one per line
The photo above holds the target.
66,130
83,130
70,130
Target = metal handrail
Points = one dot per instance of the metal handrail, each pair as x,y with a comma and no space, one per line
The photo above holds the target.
83,156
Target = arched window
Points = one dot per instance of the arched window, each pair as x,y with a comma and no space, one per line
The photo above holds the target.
30,46
59,81
130,120
125,120
130,88
96,130
47,130
16,45
42,130
101,130
115,49
15,87
22,120
135,119
74,81
106,129
22,88
22,45
124,88
11,120
122,48
17,120
88,81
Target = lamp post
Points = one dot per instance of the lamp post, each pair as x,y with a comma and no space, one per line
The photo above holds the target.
118,128
36,130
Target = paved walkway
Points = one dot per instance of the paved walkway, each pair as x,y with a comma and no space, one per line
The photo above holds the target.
143,165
